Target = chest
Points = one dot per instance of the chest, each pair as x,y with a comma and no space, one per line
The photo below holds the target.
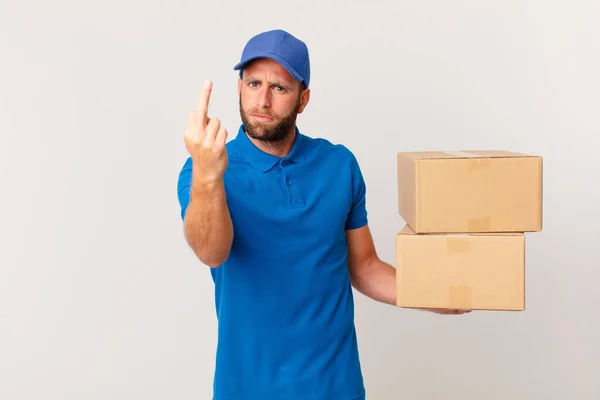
287,202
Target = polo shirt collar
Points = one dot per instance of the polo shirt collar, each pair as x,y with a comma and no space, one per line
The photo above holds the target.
265,161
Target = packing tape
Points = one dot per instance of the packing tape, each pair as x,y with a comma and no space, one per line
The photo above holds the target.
478,163
462,154
460,297
458,244
478,224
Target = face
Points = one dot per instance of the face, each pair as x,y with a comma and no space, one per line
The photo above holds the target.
270,101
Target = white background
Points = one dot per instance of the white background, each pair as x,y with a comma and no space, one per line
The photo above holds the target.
100,298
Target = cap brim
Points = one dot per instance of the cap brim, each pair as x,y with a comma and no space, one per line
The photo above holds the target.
274,57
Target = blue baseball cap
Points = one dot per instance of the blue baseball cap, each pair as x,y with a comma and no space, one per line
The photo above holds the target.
281,46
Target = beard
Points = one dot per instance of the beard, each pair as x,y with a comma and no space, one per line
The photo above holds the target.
281,130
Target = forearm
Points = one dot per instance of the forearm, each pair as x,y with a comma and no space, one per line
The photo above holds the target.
377,280
208,226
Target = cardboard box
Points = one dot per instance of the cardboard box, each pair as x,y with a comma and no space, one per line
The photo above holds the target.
475,191
479,271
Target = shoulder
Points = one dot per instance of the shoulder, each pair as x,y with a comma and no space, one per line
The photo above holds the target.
328,150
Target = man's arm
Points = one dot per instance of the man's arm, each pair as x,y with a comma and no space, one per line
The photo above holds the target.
368,274
207,223
371,276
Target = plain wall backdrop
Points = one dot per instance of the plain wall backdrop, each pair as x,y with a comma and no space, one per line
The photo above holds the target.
100,297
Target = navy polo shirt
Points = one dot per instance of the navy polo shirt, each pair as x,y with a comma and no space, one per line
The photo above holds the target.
283,298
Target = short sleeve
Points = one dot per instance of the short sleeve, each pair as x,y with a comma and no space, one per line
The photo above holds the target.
357,216
183,186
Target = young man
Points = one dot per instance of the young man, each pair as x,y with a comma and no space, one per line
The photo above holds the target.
280,218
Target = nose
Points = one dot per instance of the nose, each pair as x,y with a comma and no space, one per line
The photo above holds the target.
264,97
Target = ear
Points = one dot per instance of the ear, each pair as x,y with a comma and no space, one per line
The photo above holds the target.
239,87
304,98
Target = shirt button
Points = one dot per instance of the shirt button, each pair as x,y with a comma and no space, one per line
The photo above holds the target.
284,163
289,183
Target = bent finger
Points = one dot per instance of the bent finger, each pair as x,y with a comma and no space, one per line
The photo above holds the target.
211,130
221,137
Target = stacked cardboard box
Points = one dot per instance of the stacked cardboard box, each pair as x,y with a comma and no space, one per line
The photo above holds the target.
466,214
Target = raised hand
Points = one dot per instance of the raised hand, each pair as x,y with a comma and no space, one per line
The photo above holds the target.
205,140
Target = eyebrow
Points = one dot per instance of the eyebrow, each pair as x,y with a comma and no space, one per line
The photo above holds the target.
275,83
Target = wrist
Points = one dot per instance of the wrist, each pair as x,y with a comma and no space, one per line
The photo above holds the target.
202,176
203,182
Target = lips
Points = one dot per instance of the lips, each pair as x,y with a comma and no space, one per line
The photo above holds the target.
261,117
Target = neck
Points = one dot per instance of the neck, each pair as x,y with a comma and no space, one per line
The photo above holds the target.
278,149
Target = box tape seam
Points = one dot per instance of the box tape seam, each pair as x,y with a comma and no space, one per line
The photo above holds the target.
462,154
458,244
460,297
479,224
477,161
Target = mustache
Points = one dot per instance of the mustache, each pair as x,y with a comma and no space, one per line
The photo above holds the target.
262,113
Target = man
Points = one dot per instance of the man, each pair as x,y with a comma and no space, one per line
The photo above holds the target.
280,218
